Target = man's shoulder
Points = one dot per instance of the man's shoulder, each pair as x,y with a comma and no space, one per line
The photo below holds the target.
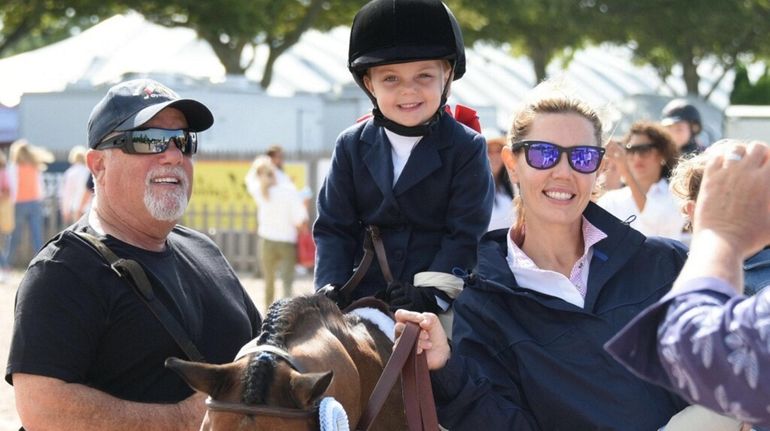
196,245
186,235
64,247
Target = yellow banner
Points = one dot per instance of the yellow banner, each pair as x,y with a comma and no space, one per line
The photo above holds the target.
220,199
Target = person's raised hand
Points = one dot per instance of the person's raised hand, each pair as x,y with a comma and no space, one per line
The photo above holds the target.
734,198
616,155
432,339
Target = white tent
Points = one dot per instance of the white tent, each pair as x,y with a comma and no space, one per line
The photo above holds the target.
128,44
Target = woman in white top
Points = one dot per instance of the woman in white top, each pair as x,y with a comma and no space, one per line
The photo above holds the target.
280,216
73,186
644,159
503,212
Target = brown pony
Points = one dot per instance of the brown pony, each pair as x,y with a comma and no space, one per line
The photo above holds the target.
307,350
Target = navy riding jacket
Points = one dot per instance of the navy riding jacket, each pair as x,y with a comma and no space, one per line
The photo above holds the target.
430,220
523,360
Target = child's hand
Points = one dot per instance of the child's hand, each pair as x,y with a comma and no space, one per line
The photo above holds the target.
409,297
432,339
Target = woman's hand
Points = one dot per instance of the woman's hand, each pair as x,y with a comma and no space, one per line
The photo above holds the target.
432,339
616,155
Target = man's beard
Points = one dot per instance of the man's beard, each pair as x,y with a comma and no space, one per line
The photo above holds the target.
166,205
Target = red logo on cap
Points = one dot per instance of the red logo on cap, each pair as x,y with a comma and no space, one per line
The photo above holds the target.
153,91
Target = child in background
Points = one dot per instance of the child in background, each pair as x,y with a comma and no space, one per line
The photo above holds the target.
411,170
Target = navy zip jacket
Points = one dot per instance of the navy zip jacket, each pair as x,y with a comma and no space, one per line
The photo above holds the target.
430,220
523,360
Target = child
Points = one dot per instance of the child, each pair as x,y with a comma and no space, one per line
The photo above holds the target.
411,170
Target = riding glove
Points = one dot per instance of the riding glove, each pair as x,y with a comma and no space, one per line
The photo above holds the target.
407,296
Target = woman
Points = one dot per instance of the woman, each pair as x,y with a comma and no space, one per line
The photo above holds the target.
685,185
280,216
73,186
645,159
6,215
502,211
530,325
25,169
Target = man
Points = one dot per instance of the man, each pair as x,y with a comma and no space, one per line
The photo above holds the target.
86,352
683,122
704,340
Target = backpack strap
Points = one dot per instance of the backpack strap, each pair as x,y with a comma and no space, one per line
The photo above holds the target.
132,272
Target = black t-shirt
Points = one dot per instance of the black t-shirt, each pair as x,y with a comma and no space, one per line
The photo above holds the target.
77,321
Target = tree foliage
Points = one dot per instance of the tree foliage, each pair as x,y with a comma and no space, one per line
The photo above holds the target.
681,33
674,36
747,93
30,24
232,26
541,30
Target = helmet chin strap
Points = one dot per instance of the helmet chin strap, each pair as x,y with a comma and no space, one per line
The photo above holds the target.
400,129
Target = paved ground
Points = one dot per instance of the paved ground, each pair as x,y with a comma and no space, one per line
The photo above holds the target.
8,419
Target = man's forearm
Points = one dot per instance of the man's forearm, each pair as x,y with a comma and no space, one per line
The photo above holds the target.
45,403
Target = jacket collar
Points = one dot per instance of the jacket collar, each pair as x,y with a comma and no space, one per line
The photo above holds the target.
610,254
424,160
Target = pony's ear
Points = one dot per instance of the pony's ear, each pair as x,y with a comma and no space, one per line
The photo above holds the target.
203,377
307,388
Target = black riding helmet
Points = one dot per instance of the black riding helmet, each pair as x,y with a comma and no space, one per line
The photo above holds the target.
679,110
401,31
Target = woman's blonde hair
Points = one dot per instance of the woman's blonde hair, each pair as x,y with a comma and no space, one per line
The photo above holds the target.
22,152
264,169
549,98
77,155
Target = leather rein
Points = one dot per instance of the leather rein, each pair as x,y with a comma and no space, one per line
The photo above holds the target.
372,246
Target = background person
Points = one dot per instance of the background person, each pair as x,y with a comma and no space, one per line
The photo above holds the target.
281,215
704,340
609,175
86,352
644,160
6,216
275,153
683,122
411,169
685,185
73,185
529,327
27,163
503,212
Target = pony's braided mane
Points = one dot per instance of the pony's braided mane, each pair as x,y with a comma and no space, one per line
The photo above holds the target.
277,328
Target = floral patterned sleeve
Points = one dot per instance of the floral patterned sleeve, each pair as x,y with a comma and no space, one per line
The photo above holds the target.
706,343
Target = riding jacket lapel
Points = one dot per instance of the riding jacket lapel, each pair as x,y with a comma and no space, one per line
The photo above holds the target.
422,162
621,244
377,158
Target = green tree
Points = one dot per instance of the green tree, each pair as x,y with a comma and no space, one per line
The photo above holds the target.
30,24
747,93
541,30
232,26
670,33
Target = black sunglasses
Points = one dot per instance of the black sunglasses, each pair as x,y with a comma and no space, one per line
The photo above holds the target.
641,149
152,141
545,155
